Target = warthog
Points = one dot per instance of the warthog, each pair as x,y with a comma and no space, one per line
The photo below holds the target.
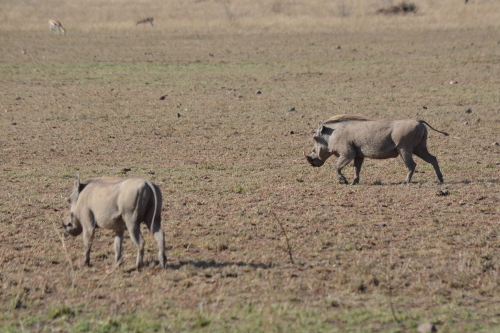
354,138
119,205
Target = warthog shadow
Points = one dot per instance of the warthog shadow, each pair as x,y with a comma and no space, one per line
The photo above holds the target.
214,264
422,182
455,182
202,264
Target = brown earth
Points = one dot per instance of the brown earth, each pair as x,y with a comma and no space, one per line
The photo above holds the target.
257,239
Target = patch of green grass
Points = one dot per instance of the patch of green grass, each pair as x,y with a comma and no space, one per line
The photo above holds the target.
201,321
64,312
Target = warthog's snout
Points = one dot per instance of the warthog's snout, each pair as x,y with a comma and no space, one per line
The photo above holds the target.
71,228
314,161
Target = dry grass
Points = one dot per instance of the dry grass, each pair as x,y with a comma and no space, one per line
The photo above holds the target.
240,200
244,16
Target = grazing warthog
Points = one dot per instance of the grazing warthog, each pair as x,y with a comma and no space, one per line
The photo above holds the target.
354,138
119,205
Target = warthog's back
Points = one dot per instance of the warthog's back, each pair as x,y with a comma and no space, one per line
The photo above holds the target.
378,135
109,198
344,117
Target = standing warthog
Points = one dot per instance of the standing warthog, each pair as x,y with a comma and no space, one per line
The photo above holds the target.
119,205
354,138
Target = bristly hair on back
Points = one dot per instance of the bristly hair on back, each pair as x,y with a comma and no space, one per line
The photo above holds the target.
343,117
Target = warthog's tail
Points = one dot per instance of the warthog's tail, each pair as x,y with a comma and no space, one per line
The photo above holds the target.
424,122
152,187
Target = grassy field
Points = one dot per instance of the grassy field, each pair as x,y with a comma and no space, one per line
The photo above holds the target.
216,105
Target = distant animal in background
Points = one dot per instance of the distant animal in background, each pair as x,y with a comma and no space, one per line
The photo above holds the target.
146,20
56,28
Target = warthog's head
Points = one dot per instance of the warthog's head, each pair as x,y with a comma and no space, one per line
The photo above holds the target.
320,152
72,224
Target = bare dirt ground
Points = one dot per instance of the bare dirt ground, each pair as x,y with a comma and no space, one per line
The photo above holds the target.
258,240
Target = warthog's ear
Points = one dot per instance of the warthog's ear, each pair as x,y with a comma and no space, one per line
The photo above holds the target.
317,133
79,186
77,181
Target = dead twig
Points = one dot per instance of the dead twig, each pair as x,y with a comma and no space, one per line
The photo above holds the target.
116,265
20,292
67,255
104,277
288,246
391,304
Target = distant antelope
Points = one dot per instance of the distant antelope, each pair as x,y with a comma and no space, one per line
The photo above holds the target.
56,27
146,20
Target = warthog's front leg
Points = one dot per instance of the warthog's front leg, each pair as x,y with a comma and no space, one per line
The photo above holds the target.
358,162
118,246
88,237
339,165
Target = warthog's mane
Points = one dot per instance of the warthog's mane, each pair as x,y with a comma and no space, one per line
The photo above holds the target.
344,117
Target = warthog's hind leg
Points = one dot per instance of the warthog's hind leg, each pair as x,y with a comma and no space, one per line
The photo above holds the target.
423,153
339,165
118,246
155,227
409,162
136,236
160,240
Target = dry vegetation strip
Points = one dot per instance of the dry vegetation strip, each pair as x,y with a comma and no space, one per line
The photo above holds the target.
240,200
